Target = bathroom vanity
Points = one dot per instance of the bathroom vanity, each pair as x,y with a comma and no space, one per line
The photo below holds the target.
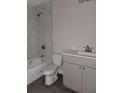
79,72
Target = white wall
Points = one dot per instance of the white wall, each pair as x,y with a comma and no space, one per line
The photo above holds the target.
74,24
32,38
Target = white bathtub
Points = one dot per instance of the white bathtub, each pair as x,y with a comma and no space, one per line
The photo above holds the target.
34,69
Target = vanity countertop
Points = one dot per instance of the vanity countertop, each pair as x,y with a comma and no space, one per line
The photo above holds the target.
77,54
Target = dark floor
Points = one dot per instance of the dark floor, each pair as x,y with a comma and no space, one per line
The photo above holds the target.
39,87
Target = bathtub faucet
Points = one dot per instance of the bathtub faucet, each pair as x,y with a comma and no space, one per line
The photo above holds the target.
43,58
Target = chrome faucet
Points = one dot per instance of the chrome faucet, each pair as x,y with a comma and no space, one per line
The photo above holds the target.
88,49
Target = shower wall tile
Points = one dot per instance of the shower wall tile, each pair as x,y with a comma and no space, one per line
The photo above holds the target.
32,38
44,29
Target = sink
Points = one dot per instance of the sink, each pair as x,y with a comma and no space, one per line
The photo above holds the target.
80,53
89,54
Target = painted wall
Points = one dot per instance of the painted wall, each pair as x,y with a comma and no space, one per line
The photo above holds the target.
32,36
74,24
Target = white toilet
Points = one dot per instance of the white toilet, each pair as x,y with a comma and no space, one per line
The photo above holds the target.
51,70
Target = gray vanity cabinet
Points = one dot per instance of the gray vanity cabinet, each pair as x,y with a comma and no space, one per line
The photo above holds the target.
79,75
89,80
72,76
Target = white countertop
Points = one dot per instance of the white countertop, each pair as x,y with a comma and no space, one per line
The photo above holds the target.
77,54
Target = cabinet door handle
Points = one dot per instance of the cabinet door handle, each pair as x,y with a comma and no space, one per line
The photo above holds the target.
30,62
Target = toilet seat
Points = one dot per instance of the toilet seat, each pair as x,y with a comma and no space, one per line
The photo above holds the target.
50,69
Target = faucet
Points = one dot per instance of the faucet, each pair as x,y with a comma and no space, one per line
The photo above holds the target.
88,49
43,58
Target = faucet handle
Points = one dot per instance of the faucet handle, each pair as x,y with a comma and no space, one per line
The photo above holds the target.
90,49
93,49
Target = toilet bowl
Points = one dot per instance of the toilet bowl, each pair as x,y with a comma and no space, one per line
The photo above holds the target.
51,70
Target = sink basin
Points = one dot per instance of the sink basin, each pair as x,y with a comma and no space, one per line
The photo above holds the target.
79,53
89,54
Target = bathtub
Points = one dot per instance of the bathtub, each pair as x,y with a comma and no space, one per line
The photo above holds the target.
35,69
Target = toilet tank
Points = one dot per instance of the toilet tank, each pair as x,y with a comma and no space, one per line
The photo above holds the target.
57,59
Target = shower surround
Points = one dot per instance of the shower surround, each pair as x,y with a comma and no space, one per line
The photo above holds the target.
39,31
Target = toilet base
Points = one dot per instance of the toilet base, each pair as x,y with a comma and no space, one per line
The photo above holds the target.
49,80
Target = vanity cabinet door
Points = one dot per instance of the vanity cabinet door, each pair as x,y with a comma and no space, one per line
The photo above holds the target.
72,76
89,80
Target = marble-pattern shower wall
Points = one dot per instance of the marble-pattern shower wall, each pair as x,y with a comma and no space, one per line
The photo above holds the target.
44,29
32,36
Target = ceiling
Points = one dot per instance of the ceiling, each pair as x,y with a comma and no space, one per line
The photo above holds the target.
36,2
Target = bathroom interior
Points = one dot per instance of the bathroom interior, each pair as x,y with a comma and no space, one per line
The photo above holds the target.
61,46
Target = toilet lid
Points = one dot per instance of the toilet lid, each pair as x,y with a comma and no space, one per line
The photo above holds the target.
50,69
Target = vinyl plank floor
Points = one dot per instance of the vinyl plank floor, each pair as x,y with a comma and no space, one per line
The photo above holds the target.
38,86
